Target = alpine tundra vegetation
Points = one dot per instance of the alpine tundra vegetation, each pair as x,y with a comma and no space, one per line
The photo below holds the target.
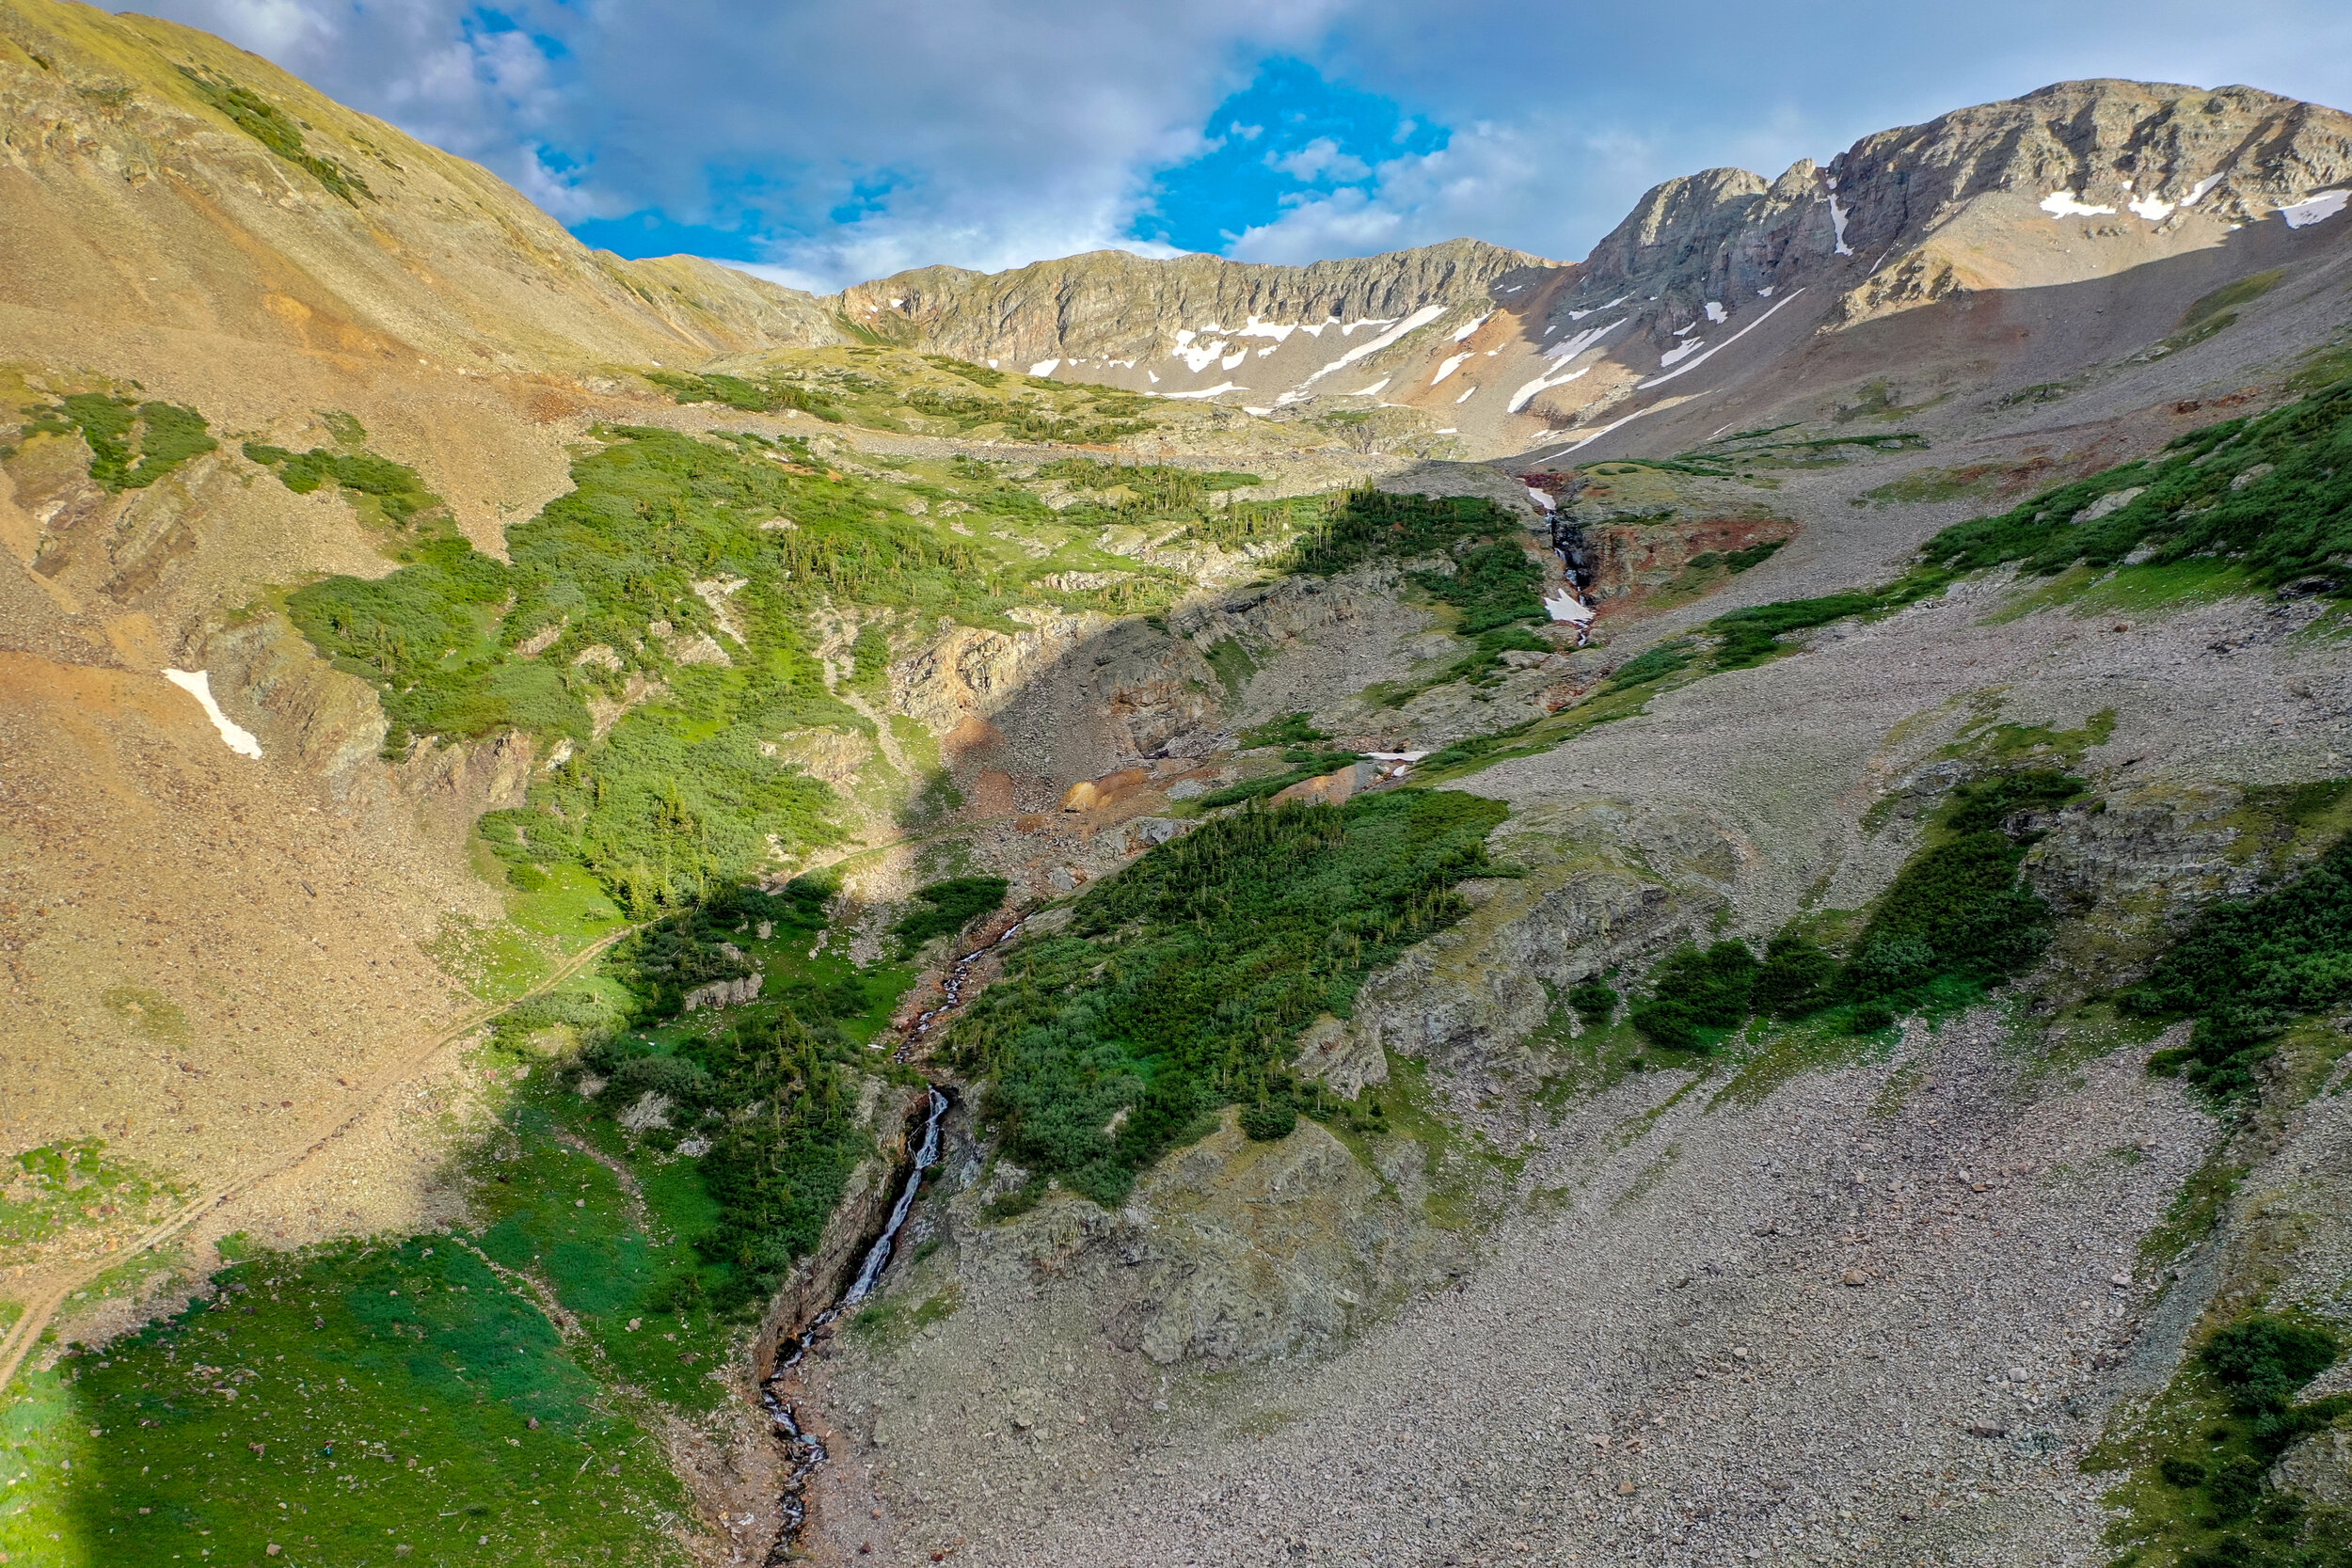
1687,908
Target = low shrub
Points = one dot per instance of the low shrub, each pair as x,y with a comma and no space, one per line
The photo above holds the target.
946,908
1269,1122
1693,990
1667,659
2246,970
1596,1003
2265,1360
1955,908
1182,984
1751,636
1013,1204
131,444
1795,978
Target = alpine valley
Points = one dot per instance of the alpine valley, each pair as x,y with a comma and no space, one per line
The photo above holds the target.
1686,908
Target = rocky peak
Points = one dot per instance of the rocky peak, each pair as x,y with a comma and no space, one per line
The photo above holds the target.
2157,150
2157,156
1685,220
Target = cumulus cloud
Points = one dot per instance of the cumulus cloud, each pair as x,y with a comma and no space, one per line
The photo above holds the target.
1319,159
1485,182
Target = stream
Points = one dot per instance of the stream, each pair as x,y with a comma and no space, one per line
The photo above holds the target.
803,1452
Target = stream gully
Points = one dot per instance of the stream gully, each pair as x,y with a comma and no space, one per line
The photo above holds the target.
804,1453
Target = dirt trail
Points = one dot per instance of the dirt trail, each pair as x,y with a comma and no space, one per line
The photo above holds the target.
45,1299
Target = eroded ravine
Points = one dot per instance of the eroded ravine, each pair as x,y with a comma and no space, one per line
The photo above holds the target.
803,1451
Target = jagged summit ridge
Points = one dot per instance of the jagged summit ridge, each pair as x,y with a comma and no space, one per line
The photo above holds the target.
1109,304
2158,152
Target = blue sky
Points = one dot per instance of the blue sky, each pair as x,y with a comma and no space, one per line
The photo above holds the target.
826,143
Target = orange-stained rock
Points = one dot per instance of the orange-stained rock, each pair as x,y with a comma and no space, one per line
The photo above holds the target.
1332,788
972,733
992,794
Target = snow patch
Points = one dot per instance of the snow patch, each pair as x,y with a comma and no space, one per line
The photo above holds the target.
199,684
1589,436
1463,334
1526,395
1452,364
2155,209
1686,331
1044,367
1419,319
1467,396
1561,605
1694,364
1373,387
2066,204
1675,355
1232,361
2196,192
1766,293
1204,392
1373,321
898,304
1253,328
1197,360
1837,216
1560,355
1716,313
1578,344
2318,207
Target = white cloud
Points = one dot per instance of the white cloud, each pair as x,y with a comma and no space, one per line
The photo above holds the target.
1475,185
1318,159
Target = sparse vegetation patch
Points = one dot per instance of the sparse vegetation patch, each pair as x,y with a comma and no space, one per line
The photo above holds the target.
2247,970
1182,983
131,444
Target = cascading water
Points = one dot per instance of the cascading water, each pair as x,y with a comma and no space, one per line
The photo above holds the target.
804,1454
951,988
